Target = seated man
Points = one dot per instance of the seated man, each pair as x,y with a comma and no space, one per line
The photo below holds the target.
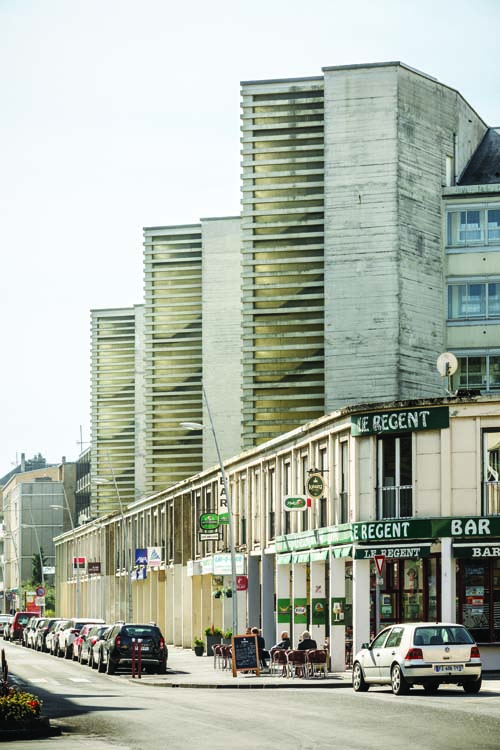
261,645
306,642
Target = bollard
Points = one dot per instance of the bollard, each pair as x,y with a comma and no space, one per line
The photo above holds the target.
139,650
133,658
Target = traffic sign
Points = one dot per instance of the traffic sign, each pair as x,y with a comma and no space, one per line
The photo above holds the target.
40,591
379,564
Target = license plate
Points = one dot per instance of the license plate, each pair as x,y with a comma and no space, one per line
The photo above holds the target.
448,667
145,648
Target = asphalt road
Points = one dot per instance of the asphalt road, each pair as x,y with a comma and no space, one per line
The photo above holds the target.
97,711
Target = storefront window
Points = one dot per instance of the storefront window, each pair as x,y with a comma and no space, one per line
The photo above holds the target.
395,477
479,596
409,591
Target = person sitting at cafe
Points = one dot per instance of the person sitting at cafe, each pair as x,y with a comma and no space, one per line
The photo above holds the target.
261,645
306,642
284,644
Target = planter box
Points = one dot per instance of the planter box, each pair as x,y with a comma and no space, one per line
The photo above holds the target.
212,640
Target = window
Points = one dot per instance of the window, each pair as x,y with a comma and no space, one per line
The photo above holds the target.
473,226
271,506
286,488
477,371
491,472
343,515
395,491
471,300
323,501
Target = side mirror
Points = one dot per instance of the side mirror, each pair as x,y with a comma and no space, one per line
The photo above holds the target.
365,645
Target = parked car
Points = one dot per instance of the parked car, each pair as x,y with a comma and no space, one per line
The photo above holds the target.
423,653
68,633
89,635
40,633
29,630
19,622
94,652
51,641
80,639
116,648
5,620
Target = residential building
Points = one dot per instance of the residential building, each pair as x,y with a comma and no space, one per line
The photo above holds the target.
472,242
35,504
116,413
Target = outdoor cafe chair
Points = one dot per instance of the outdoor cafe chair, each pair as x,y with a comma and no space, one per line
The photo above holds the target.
279,662
296,661
316,662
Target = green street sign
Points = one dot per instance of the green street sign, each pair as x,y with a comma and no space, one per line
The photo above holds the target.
315,485
209,521
223,518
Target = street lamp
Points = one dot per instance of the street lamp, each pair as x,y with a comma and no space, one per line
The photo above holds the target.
75,553
125,540
198,426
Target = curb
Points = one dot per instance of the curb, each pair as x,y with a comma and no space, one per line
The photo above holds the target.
30,733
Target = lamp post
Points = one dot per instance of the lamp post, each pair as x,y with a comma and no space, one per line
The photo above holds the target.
75,554
125,541
199,426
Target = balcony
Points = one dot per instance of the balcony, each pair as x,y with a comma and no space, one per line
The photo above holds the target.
395,501
491,498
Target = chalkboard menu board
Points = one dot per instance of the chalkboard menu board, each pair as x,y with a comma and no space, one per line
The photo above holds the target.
245,654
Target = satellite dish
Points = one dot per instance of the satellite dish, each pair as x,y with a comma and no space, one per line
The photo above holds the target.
446,364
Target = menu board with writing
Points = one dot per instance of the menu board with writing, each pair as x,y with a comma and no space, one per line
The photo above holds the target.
245,654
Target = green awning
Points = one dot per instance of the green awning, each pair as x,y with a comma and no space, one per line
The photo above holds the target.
345,551
300,557
318,555
284,559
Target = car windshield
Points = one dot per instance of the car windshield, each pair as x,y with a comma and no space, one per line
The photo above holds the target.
441,634
23,619
139,631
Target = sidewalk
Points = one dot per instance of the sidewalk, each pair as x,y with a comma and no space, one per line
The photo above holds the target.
186,670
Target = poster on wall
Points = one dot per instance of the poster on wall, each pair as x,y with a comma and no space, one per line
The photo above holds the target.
300,611
318,611
284,610
338,610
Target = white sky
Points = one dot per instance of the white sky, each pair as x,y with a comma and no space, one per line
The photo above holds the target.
116,115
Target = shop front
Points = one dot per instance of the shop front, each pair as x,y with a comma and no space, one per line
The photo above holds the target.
433,569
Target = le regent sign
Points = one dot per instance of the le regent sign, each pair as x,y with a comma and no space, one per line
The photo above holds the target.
427,528
400,420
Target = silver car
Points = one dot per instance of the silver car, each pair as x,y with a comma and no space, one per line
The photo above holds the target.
419,653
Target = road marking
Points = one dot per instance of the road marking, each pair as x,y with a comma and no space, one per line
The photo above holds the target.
78,679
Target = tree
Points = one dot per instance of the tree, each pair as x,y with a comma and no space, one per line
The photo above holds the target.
37,561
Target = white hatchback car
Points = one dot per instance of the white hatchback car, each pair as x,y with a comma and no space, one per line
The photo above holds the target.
419,653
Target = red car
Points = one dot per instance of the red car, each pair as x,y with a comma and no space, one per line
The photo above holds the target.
80,640
18,624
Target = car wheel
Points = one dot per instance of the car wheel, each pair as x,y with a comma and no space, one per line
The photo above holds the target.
110,667
101,667
399,684
91,662
162,668
472,686
359,683
431,687
68,651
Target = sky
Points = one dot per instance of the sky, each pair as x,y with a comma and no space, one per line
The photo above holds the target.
118,115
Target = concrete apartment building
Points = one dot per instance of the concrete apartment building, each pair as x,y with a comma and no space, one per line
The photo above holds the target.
332,282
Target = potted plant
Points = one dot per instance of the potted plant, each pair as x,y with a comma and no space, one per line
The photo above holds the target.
227,637
213,635
198,646
228,592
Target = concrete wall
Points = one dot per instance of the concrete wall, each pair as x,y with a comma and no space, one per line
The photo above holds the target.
388,132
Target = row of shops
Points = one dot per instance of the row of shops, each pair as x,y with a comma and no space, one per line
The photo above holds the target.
405,527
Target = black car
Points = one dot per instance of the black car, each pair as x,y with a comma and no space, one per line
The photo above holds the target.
123,641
